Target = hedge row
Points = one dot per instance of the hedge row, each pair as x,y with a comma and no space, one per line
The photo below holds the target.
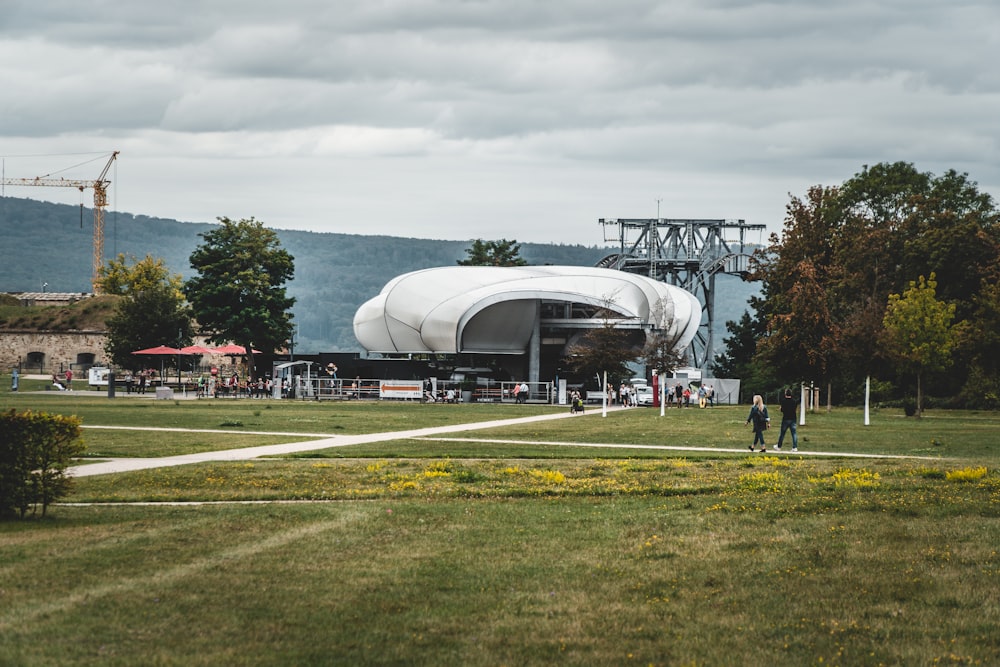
35,450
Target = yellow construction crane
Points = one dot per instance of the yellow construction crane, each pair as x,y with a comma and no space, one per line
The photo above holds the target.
100,186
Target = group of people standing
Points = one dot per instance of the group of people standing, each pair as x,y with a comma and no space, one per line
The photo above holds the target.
682,396
137,383
760,421
262,387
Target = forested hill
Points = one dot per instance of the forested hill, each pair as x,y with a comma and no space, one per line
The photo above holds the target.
334,273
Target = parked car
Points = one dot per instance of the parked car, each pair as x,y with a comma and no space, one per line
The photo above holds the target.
643,395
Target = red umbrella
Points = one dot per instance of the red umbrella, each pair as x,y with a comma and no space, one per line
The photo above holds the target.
196,349
160,349
163,351
233,349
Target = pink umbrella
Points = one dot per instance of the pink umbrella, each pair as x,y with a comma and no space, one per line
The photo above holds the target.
196,349
163,351
160,349
233,349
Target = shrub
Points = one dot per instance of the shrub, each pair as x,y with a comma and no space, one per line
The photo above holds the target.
35,450
967,474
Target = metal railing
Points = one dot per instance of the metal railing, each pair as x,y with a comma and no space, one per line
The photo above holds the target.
440,391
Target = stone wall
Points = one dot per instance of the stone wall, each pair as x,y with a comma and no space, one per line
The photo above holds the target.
56,351
52,351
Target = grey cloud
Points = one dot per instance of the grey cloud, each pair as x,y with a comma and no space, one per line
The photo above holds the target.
630,94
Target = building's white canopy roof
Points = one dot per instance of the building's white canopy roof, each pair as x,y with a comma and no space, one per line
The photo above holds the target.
493,309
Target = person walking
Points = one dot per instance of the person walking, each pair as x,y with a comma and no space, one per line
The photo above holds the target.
789,406
760,422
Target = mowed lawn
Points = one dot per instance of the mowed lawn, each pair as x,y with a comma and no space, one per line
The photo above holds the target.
572,541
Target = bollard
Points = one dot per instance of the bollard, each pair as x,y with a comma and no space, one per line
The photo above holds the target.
111,384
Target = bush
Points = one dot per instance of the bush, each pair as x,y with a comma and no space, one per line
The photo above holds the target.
35,450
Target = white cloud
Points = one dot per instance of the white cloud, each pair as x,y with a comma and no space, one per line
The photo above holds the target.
458,119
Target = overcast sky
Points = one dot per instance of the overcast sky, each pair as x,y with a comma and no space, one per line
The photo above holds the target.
458,119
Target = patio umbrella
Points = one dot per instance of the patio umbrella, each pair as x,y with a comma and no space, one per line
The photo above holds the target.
159,349
162,351
196,349
233,349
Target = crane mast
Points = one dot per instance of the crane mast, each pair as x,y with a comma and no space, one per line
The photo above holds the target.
100,186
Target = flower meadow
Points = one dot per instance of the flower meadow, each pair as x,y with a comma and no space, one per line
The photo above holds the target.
772,482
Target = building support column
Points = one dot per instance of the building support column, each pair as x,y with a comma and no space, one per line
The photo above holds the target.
535,345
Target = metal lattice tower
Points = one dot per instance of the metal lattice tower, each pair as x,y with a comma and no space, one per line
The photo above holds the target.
684,253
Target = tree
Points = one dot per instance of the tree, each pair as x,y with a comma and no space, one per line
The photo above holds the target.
125,275
239,293
843,250
740,360
919,334
980,341
151,310
661,351
493,253
803,335
604,349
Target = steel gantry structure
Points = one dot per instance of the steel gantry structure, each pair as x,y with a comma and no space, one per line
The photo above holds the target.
100,186
685,253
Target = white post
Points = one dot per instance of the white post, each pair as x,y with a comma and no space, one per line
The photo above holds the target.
663,396
868,391
802,405
604,395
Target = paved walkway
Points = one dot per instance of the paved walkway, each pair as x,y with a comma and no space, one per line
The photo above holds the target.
327,441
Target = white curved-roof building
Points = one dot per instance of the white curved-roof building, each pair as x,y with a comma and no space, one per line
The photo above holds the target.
498,310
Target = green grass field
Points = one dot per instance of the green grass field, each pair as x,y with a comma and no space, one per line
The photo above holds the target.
514,545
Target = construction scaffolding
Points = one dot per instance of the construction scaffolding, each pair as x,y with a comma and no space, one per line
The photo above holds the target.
687,254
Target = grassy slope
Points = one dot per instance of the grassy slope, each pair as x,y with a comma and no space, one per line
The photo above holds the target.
85,315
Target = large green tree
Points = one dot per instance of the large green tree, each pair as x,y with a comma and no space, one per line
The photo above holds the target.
799,338
493,253
977,346
843,250
239,293
919,334
151,310
740,359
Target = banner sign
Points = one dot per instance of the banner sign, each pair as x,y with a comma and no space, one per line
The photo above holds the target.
400,389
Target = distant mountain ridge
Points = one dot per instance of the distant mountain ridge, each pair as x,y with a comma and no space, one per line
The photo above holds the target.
334,273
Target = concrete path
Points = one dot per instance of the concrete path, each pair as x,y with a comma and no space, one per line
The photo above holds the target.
327,441
247,453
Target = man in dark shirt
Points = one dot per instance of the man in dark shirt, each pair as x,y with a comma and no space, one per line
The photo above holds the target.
788,406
